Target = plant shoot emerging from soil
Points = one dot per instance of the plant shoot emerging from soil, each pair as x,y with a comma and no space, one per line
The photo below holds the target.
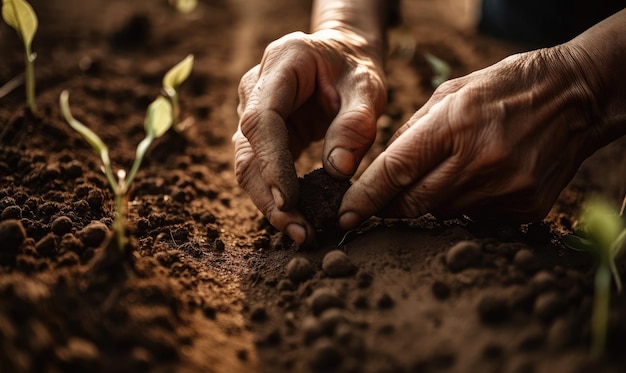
602,233
441,69
158,121
172,80
20,15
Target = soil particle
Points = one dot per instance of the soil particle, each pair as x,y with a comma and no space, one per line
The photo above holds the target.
492,309
47,245
320,198
385,302
337,264
364,279
325,355
330,319
11,212
440,290
463,255
323,299
299,269
12,235
258,314
93,234
61,225
526,261
542,281
561,333
548,305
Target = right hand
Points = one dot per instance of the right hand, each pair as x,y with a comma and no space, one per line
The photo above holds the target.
329,85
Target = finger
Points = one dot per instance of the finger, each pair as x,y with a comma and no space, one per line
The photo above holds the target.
422,148
246,84
280,89
249,177
353,130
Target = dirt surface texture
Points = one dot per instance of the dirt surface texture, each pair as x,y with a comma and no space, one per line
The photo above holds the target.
209,285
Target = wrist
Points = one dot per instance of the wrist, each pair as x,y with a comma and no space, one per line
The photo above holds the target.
361,22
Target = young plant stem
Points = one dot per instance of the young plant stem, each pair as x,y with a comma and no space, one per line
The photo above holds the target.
600,313
30,79
119,222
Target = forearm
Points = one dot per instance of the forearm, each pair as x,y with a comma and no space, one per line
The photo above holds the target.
366,19
604,45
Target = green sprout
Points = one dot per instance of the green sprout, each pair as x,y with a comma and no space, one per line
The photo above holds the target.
184,6
158,121
602,233
172,80
20,15
440,68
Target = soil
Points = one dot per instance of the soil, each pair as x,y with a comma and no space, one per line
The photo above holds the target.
210,286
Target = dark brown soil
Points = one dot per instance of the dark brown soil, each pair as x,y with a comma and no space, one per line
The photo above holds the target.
210,286
320,198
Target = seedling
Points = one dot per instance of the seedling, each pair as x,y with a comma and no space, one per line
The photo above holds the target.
172,80
158,121
441,69
20,15
603,234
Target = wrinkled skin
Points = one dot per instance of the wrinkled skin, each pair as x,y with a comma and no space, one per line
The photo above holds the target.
501,142
305,89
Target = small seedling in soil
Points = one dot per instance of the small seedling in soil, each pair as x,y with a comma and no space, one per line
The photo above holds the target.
172,80
20,15
603,234
440,68
320,199
158,121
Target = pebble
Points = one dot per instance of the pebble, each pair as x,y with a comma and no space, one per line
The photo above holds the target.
542,281
93,234
493,309
299,269
330,319
463,255
61,225
337,264
323,299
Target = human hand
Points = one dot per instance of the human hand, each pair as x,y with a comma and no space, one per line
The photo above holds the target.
501,142
329,85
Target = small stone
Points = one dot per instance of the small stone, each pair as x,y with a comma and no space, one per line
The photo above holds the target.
330,319
299,269
311,329
492,310
463,255
285,285
323,299
526,261
61,225
93,234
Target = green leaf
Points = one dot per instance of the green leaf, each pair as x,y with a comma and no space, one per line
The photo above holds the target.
440,68
601,225
177,75
578,243
21,16
93,139
159,117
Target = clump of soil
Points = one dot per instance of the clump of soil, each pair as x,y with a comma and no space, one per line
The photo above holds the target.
320,198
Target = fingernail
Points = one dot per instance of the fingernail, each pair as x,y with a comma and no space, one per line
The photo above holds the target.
296,232
279,200
349,220
342,160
